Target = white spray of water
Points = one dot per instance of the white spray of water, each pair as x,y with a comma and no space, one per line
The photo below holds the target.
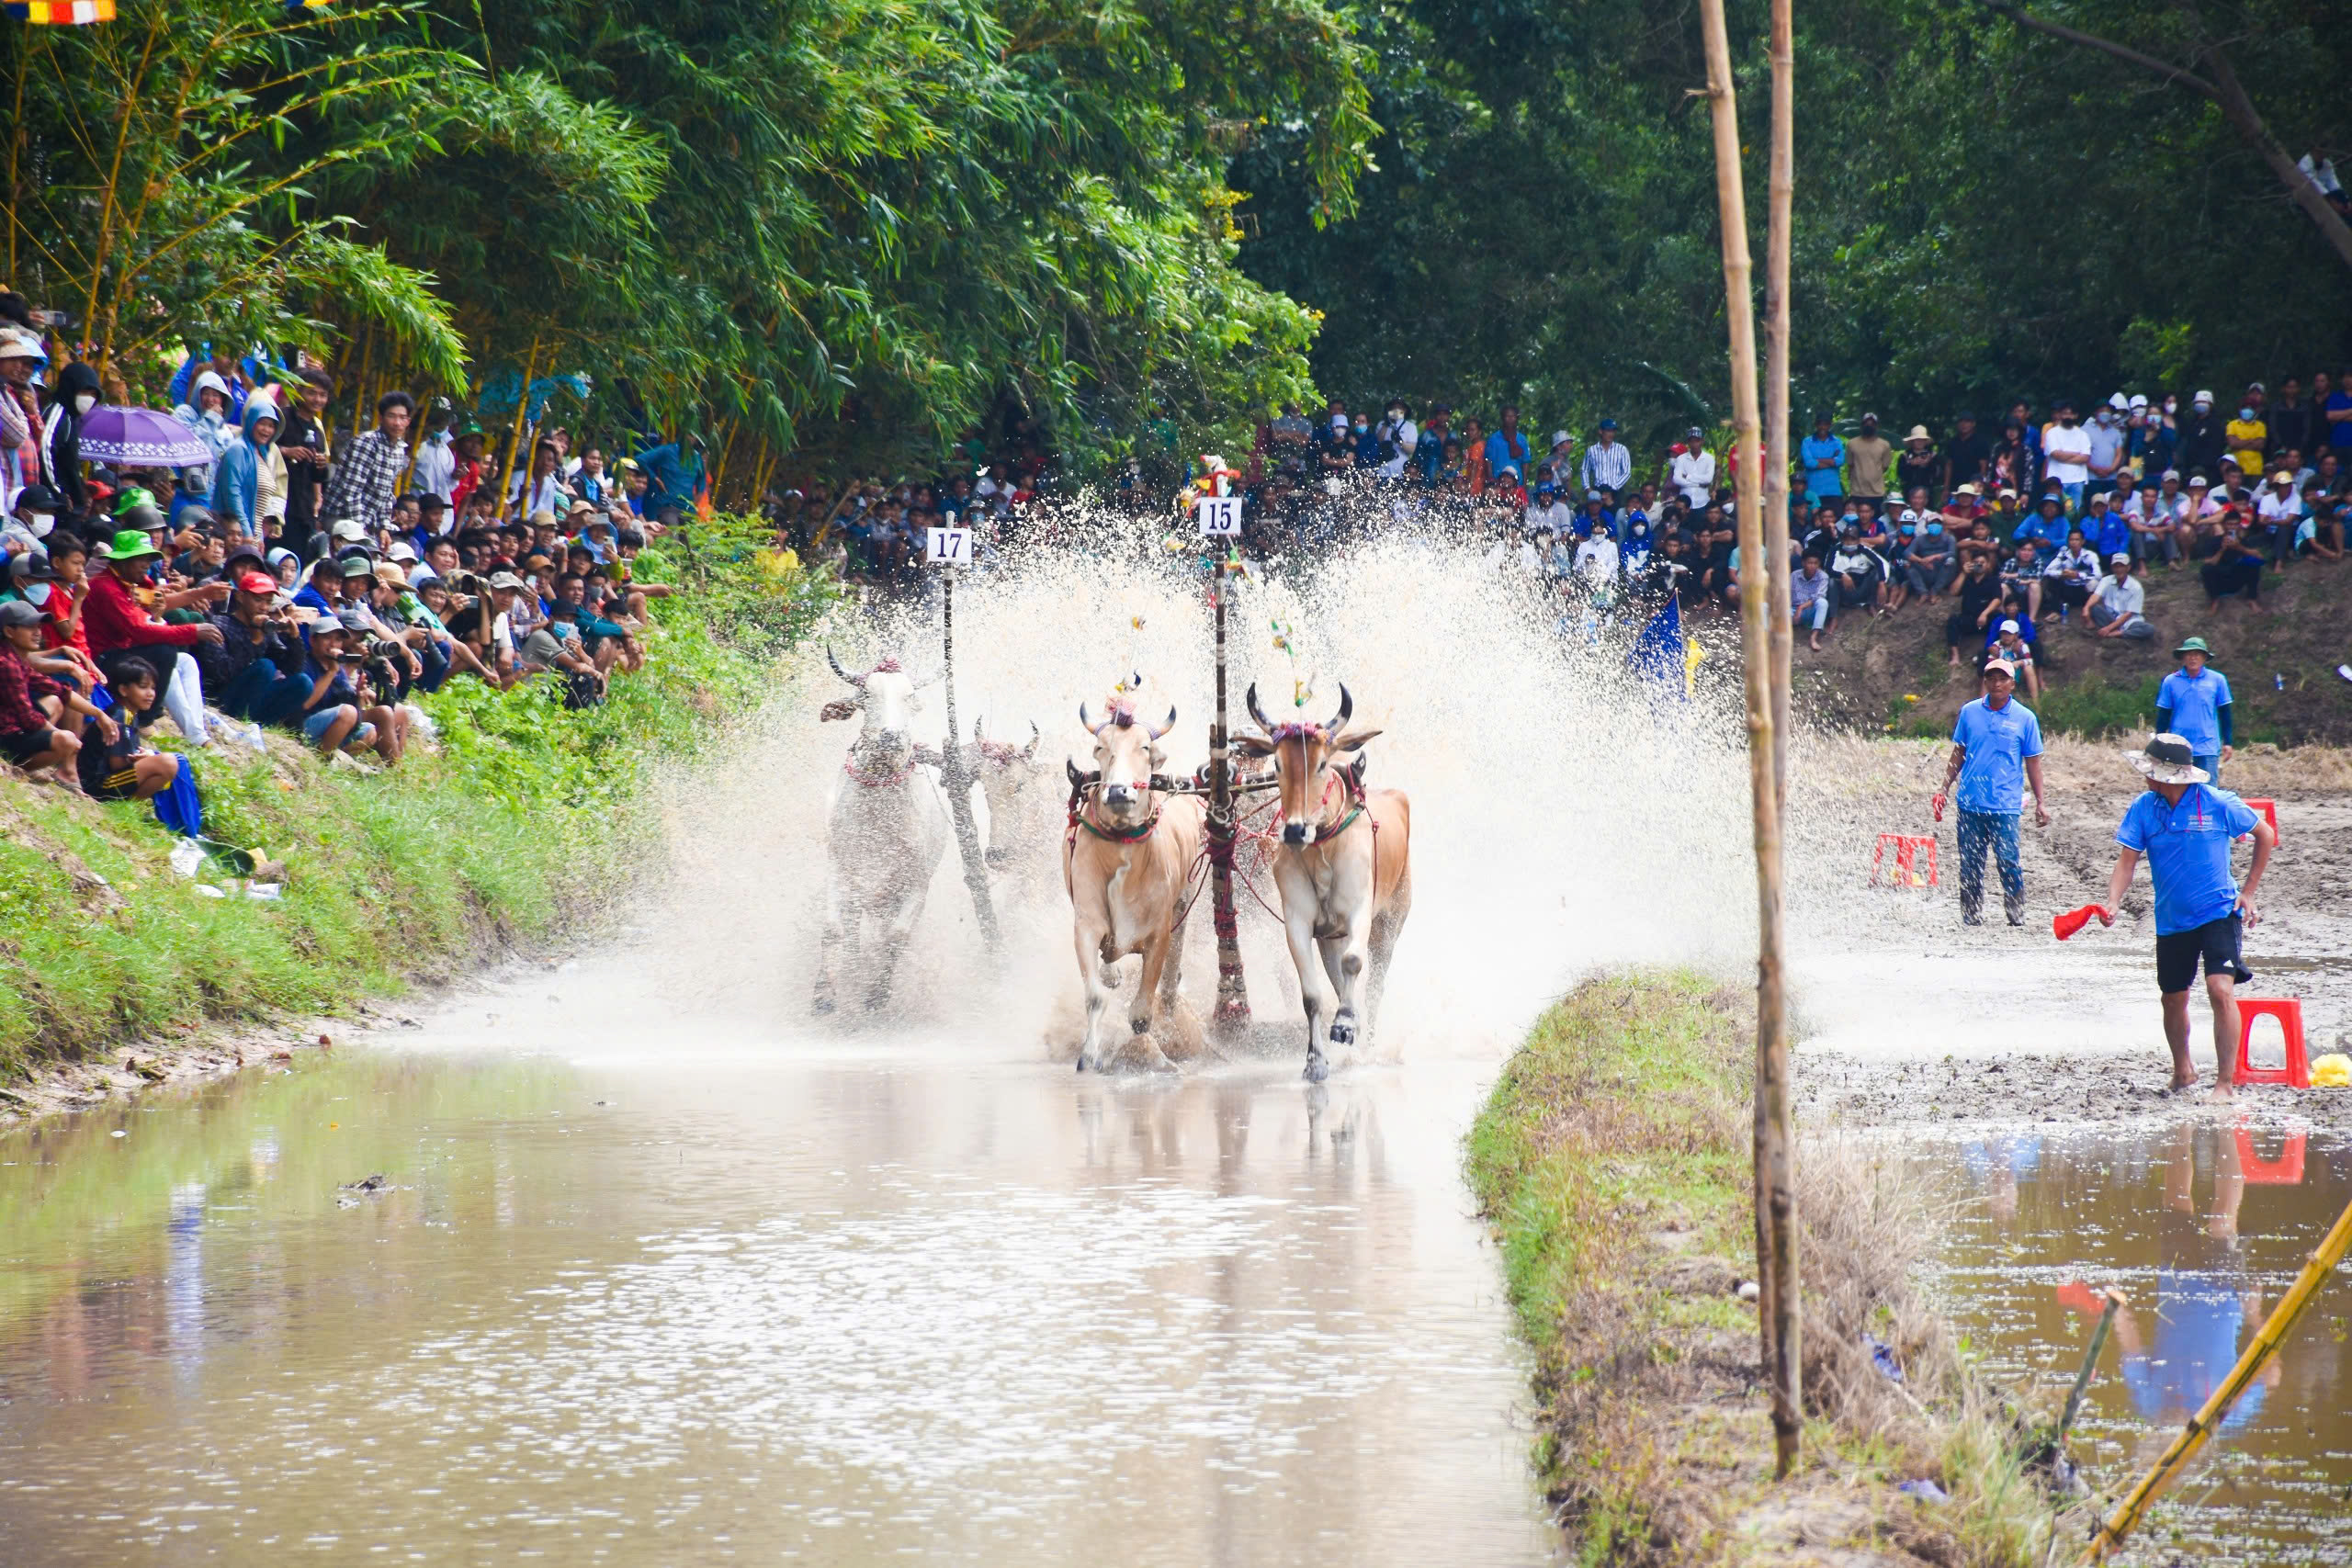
1565,817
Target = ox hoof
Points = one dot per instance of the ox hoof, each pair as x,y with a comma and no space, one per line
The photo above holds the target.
1317,1069
1082,1061
1140,1025
1344,1028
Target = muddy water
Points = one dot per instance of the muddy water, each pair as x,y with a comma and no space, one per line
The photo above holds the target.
843,1307
2202,1225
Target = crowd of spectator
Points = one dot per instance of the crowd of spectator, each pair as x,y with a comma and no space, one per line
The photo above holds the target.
2000,525
300,579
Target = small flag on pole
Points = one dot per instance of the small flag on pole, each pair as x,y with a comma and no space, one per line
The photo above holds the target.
59,12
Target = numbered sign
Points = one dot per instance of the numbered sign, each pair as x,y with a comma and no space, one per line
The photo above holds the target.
1220,516
948,547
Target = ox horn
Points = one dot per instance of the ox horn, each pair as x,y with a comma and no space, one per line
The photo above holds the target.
1029,752
1257,713
1163,729
857,680
1086,721
1347,707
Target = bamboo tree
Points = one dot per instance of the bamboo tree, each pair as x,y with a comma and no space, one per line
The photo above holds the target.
1776,1211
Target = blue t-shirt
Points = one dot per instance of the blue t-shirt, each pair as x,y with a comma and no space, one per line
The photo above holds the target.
1998,740
1826,449
2196,703
2188,848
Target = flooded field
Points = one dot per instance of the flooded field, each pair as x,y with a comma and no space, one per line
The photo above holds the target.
2201,1224
824,1310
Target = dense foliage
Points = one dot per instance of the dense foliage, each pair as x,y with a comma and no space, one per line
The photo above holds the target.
1981,213
834,225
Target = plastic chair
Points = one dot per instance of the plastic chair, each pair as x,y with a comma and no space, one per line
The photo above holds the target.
2296,1071
2287,1170
1906,851
2268,810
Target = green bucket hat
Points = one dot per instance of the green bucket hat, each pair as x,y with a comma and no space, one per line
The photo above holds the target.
130,545
134,495
2193,645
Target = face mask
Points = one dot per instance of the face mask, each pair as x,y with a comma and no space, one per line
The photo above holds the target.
2172,405
36,593
1909,529
2066,421
1361,427
1935,527
40,523
84,401
2247,414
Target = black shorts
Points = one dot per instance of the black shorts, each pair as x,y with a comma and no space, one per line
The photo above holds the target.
2215,943
24,745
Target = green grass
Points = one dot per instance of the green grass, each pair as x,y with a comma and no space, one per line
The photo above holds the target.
506,835
2094,706
1622,1126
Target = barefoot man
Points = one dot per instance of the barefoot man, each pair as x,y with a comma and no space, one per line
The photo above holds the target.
2184,826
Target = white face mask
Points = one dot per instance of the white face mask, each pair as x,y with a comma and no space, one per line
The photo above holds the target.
42,522
84,401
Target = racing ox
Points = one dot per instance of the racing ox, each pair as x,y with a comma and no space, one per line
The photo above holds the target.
889,830
1342,864
1128,852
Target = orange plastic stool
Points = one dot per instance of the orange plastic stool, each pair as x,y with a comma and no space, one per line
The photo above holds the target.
2289,1012
2287,1170
1907,865
2268,810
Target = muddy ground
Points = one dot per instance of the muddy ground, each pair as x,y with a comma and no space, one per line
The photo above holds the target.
2069,1034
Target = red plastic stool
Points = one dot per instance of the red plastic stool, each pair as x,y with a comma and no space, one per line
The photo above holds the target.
2289,1012
2287,1170
2268,810
1906,851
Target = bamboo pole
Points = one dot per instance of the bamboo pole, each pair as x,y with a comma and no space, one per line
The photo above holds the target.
2320,1263
515,430
1775,1152
1775,1199
2090,1366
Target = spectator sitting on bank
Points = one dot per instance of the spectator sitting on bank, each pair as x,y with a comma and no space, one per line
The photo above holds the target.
35,731
1979,595
1809,598
2233,567
1860,576
2072,577
2115,609
117,763
2021,580
2011,642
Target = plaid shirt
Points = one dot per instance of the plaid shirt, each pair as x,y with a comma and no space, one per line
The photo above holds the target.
20,685
366,477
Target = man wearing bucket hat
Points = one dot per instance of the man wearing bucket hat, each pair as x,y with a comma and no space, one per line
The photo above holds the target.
2184,826
1996,752
119,627
2194,703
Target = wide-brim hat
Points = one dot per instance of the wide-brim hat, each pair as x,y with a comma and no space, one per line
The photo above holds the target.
2167,759
2192,645
131,544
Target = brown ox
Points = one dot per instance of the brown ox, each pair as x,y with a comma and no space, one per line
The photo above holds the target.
1343,867
1126,858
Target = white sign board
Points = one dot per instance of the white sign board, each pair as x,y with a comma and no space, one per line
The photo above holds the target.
948,547
1220,516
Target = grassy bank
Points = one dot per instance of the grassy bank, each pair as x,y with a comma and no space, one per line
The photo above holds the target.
525,820
1612,1161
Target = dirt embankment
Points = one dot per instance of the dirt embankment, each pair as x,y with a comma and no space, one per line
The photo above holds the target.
1879,675
1612,1161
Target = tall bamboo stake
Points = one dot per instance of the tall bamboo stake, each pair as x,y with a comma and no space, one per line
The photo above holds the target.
514,432
1776,1238
1776,1206
1232,1016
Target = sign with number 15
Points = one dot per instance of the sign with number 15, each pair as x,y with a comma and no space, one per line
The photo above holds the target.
1220,516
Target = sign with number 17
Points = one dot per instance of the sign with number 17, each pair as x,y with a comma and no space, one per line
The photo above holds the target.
948,547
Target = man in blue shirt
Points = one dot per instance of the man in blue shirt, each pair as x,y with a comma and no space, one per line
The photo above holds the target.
2194,702
2184,826
1821,454
1507,447
1995,750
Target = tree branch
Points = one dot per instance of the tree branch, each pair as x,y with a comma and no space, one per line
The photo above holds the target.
2178,75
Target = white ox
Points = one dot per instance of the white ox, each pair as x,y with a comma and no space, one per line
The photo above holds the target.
1025,809
1126,858
888,832
1343,867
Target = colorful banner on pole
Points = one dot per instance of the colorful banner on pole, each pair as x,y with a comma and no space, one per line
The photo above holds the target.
59,12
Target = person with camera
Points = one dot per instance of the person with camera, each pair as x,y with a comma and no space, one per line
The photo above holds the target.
255,670
340,713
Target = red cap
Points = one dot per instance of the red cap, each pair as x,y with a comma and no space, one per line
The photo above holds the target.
258,582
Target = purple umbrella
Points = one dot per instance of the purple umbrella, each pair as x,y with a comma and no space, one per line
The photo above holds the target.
139,439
